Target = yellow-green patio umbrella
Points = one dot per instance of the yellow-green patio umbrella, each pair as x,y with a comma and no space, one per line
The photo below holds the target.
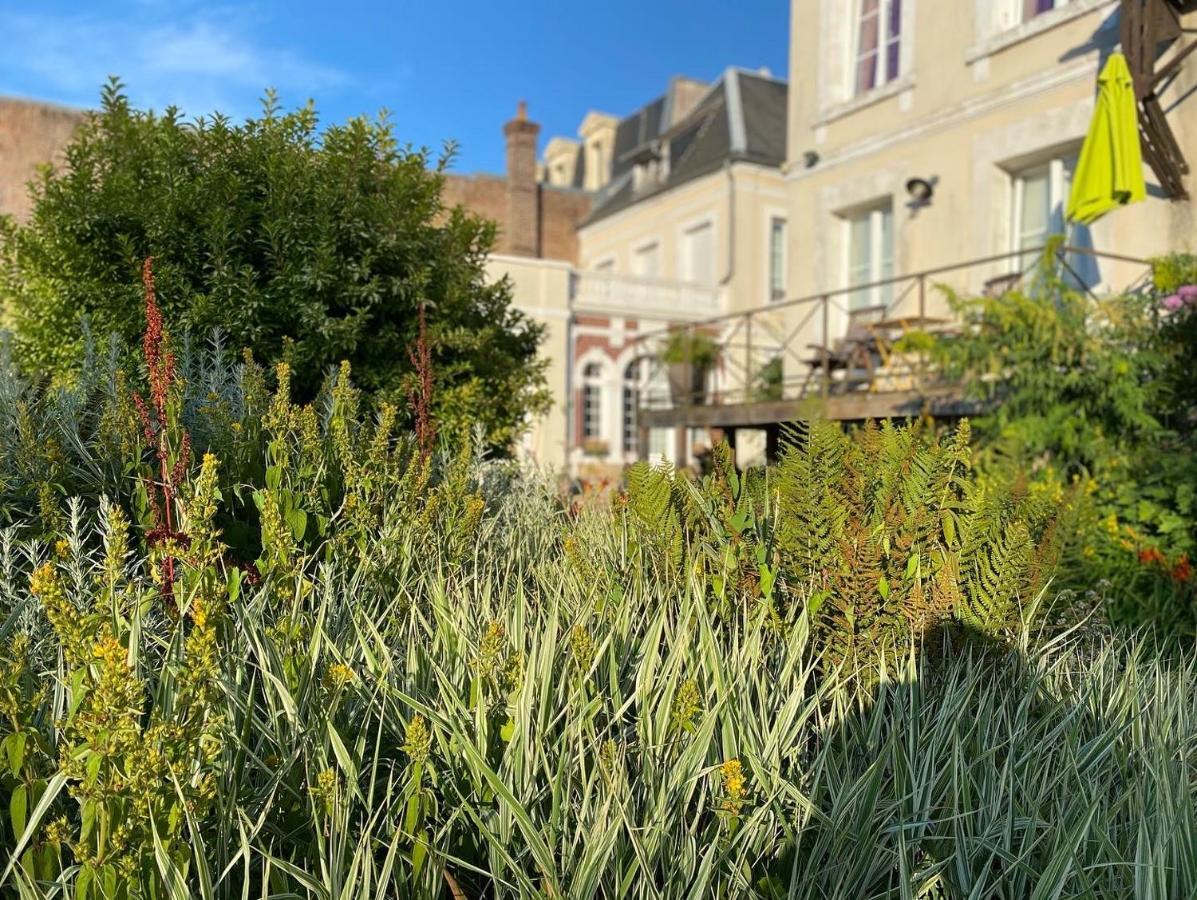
1110,171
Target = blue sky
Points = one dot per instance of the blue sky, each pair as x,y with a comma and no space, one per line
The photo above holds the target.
443,68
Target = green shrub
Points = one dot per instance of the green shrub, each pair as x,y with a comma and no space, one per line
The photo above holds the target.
310,246
1096,395
876,537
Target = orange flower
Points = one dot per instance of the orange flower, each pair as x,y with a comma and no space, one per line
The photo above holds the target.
1151,556
1182,572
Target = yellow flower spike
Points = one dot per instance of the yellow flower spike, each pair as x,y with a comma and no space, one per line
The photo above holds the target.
731,772
337,676
581,646
417,740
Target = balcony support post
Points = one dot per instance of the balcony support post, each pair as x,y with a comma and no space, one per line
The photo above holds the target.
748,378
826,345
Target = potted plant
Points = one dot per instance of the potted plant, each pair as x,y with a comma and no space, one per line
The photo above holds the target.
768,382
595,447
690,355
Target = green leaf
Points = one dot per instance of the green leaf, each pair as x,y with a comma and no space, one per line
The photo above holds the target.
14,751
18,808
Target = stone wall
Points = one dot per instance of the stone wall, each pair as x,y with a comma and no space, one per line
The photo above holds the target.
30,134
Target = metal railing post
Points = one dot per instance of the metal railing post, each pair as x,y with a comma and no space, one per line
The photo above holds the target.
748,358
826,345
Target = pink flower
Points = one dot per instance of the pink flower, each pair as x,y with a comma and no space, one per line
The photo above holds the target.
1172,302
1188,293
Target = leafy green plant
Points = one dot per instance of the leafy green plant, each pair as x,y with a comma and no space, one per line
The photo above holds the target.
310,245
768,383
388,670
1095,394
691,347
876,537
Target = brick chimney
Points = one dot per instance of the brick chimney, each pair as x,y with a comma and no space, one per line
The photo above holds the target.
522,234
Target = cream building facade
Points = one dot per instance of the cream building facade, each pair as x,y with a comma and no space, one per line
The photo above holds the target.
686,222
690,223
987,102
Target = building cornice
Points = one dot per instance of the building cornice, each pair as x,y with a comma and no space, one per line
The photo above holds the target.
639,206
1009,95
1008,37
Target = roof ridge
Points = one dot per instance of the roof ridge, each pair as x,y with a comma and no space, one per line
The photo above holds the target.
756,73
737,128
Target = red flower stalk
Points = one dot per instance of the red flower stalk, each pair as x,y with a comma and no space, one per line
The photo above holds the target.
420,398
160,369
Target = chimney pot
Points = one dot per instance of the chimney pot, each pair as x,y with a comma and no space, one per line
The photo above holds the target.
522,228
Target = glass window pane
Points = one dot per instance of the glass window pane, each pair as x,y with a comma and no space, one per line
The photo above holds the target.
658,443
777,275
1032,8
646,261
893,34
885,225
698,254
1035,205
860,258
867,45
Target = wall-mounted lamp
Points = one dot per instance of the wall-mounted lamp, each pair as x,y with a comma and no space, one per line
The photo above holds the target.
921,190
810,158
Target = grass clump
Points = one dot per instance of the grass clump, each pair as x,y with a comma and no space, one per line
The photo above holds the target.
353,663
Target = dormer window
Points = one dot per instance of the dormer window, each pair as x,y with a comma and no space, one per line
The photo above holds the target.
650,166
878,43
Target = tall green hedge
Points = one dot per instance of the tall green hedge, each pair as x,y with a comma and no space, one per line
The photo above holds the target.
305,244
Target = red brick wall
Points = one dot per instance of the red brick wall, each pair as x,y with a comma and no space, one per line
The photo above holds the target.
561,211
534,219
30,134
484,195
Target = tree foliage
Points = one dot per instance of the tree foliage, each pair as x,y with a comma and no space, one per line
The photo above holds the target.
310,246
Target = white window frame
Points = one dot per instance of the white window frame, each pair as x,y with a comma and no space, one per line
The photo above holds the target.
629,432
1058,182
880,295
835,84
1023,18
605,264
1002,23
684,230
596,383
771,219
881,78
639,253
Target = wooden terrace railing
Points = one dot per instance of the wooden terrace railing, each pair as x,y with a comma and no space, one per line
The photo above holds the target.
860,340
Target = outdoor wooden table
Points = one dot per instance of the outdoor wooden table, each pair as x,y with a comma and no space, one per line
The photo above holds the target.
906,324
882,331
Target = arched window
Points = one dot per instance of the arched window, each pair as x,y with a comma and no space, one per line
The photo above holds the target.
592,401
631,397
644,385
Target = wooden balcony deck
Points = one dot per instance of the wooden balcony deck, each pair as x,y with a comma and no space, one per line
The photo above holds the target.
833,356
941,402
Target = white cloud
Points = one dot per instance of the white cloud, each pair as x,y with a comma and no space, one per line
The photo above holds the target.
201,60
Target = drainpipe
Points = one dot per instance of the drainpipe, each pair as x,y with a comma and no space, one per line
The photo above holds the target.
731,225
